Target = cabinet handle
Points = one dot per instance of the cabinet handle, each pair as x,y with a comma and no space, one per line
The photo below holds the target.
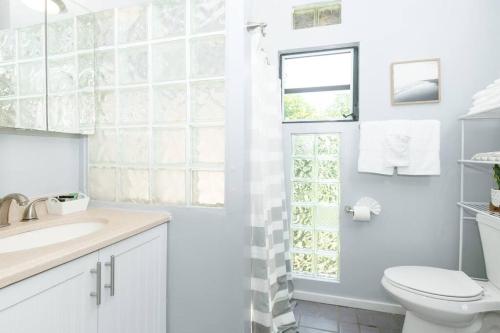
97,293
111,285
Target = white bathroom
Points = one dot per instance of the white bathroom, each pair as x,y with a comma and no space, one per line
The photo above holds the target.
237,166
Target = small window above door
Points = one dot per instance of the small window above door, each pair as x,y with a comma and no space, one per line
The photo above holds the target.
320,85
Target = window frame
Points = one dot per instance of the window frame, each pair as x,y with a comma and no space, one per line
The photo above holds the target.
311,52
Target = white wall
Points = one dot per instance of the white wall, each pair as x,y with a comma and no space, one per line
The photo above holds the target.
419,224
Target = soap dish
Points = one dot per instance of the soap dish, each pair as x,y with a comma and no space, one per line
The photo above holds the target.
55,207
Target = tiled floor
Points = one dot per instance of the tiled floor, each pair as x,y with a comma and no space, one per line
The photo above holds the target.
323,318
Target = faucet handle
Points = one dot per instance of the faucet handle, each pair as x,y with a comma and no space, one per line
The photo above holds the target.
30,211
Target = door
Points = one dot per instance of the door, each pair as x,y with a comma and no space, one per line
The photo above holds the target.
135,284
56,301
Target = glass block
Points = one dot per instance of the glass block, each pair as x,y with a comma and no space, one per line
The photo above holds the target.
60,37
304,18
134,145
132,24
30,41
303,168
103,146
302,215
104,28
169,18
302,239
208,100
330,15
134,185
303,145
7,45
134,106
32,78
170,103
133,65
169,146
328,193
208,57
169,61
105,68
8,80
102,183
8,113
62,75
303,263
86,67
303,192
207,15
327,266
32,113
63,113
85,31
328,169
328,144
327,217
169,187
208,188
86,109
105,107
208,145
327,241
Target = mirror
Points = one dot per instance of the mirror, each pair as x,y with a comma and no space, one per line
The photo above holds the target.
53,90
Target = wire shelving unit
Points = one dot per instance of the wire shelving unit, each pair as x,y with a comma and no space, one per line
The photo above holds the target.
466,206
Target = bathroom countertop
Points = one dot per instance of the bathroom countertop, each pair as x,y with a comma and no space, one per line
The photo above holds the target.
119,225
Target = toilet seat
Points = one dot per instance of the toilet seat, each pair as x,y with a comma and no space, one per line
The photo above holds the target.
437,283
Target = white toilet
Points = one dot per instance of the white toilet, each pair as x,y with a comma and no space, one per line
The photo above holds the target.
444,301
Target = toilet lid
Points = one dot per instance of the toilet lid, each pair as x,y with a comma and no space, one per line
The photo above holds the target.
435,282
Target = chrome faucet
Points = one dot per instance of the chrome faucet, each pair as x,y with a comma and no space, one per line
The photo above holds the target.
5,203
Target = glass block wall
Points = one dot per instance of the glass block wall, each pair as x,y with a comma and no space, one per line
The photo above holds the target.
315,200
160,98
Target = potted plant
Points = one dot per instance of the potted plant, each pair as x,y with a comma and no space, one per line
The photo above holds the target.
495,193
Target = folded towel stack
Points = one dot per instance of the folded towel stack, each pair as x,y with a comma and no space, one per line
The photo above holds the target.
487,99
413,147
491,156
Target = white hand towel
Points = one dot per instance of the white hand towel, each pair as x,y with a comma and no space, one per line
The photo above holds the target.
372,148
488,90
425,146
397,143
488,96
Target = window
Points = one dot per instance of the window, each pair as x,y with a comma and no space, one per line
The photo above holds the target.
160,87
320,86
315,197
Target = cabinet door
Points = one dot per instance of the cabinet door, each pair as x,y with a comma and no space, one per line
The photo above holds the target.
56,301
138,304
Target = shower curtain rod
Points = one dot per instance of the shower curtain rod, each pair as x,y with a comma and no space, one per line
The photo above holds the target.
253,25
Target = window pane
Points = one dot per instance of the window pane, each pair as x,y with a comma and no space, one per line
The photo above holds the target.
327,266
303,192
323,105
302,239
303,263
303,168
318,70
328,193
302,215
327,217
327,241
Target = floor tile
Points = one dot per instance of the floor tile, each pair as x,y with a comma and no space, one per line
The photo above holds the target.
347,315
348,328
368,329
312,330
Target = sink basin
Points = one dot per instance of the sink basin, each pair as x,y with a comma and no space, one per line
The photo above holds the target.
48,236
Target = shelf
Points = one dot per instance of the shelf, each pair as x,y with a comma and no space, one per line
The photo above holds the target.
478,162
490,114
479,208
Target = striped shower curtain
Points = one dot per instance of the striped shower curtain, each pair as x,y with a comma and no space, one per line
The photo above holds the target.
271,270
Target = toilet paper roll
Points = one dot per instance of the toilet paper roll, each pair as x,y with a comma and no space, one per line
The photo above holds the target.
361,214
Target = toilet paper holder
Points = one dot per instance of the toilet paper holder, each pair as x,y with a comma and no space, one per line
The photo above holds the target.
372,204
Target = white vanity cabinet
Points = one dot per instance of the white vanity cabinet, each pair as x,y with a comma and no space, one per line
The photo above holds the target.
65,299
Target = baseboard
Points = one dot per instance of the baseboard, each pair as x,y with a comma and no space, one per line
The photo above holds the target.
348,302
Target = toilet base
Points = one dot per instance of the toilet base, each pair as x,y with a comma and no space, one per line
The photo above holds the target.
414,324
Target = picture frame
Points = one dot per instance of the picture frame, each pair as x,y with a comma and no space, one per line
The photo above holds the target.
416,82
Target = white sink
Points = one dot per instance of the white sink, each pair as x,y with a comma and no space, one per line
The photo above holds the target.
48,236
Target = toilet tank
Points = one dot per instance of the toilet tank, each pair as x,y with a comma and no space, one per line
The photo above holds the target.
489,229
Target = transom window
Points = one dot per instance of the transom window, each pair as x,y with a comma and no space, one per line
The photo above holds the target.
320,85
